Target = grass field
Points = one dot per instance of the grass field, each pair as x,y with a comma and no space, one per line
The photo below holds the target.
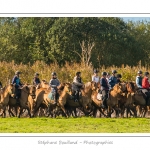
74,125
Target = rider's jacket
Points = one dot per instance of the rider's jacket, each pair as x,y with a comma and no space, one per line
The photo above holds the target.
77,81
104,84
36,81
145,83
139,81
16,81
53,83
95,79
112,81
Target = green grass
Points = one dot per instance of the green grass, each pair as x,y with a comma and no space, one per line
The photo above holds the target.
74,125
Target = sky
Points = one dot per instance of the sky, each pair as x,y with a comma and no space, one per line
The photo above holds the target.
126,19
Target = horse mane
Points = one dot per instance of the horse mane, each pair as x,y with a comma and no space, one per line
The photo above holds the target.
132,85
44,81
87,85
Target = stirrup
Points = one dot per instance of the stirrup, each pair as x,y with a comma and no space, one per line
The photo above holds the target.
76,100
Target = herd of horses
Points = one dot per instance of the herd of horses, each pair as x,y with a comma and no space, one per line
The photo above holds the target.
124,100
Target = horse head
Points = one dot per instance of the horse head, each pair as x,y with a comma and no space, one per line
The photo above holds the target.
118,89
68,88
131,87
32,91
94,85
11,90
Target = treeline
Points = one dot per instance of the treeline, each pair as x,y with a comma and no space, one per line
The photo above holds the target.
92,41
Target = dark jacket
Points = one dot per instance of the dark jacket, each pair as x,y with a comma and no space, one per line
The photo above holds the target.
16,81
118,81
104,84
36,81
112,81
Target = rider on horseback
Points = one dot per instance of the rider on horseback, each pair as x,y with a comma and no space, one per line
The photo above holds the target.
104,89
119,76
139,79
113,79
146,86
16,81
77,85
54,83
95,77
36,79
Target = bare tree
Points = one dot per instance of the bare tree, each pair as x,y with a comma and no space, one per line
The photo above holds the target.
86,53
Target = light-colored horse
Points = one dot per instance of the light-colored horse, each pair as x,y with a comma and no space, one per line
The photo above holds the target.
5,94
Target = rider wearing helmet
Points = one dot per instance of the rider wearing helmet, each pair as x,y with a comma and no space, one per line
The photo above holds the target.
104,89
95,77
146,86
54,83
145,82
119,76
76,86
139,79
17,83
113,79
36,79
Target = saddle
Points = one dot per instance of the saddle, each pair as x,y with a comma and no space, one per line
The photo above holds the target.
52,94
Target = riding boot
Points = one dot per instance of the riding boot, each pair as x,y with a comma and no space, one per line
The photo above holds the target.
104,104
75,98
55,100
17,101
147,101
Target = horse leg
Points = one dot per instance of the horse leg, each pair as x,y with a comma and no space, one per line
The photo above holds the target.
102,112
122,111
75,112
10,112
21,110
28,111
145,111
134,110
85,111
35,111
4,113
109,111
63,109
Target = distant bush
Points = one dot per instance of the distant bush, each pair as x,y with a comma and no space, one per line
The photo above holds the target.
65,73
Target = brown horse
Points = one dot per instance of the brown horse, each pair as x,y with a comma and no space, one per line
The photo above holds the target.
114,96
42,101
140,103
5,94
97,103
84,102
26,91
126,101
44,84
